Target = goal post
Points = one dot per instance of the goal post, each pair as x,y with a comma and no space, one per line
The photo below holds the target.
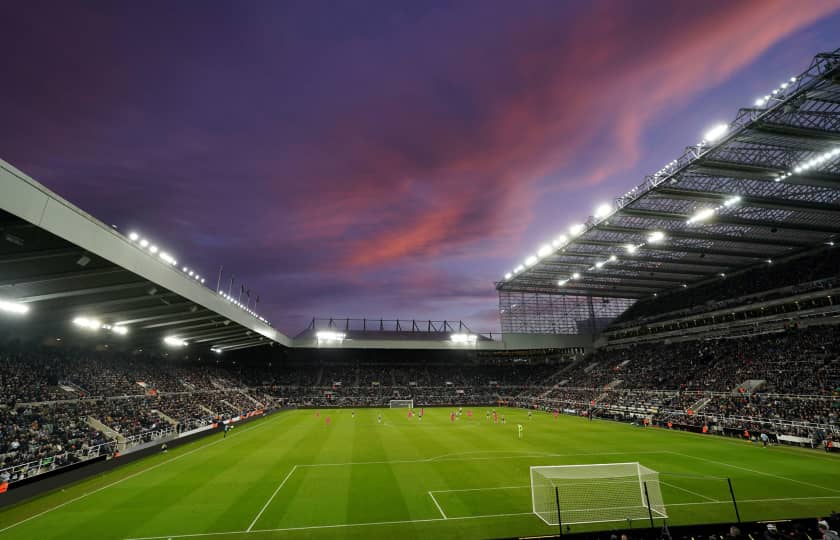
401,403
595,493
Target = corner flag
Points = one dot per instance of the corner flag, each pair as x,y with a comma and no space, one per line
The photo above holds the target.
519,429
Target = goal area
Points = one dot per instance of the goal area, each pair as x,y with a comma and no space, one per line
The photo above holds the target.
401,403
595,493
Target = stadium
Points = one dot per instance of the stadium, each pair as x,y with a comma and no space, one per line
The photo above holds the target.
667,367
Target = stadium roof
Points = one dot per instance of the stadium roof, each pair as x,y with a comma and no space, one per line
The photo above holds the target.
764,186
61,268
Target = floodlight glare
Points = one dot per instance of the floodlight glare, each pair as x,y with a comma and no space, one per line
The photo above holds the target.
716,133
133,236
732,200
89,324
631,248
464,339
173,341
576,229
144,243
120,330
544,250
575,276
562,282
655,237
603,210
13,307
328,336
600,264
612,258
508,275
153,248
702,215
531,261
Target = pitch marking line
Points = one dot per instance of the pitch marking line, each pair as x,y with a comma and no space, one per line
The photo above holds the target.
129,477
478,489
291,472
757,472
438,505
433,520
689,491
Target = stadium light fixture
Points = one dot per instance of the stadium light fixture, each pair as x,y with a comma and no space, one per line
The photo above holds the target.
88,324
167,258
518,269
173,341
544,251
656,237
603,210
716,133
531,261
631,248
153,249
600,264
576,229
144,243
612,258
508,275
463,339
562,282
329,336
13,307
576,275
133,236
731,201
216,350
701,215
119,330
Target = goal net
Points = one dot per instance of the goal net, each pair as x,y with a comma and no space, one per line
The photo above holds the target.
402,403
595,493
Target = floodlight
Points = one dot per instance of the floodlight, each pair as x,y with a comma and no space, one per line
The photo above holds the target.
518,269
153,248
216,350
167,258
144,243
562,282
576,229
732,200
121,330
603,210
655,237
90,324
576,276
631,248
702,215
508,275
13,307
329,336
133,236
531,261
544,250
173,341
716,132
464,339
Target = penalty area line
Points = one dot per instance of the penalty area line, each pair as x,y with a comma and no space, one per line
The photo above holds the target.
337,526
438,505
276,491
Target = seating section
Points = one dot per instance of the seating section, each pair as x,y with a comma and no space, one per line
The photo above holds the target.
61,404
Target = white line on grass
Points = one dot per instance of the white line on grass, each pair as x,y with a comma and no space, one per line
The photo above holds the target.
745,501
689,491
433,520
138,473
439,458
251,526
757,472
478,489
337,526
438,505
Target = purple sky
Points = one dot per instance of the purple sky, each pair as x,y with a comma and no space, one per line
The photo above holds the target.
380,159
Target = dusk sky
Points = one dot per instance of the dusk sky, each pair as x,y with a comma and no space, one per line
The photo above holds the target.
376,159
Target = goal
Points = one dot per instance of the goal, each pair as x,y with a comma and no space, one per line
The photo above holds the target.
601,492
401,403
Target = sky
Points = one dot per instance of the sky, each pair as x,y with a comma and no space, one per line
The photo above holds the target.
381,159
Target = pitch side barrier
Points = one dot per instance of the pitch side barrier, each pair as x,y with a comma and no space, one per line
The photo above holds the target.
41,484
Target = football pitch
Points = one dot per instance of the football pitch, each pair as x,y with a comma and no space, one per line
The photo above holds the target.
293,475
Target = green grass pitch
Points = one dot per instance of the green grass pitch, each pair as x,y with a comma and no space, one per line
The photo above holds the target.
292,475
